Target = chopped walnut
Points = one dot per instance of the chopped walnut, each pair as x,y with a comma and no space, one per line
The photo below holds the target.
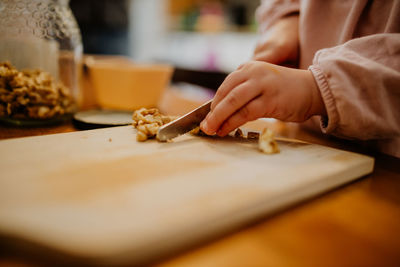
147,122
32,94
197,131
141,136
253,135
239,133
267,143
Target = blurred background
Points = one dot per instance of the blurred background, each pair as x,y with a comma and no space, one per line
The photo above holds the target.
200,35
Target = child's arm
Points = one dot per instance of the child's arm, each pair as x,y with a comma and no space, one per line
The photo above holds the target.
360,84
259,89
280,43
270,11
279,32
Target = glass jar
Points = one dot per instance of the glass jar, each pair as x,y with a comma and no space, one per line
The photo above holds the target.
40,61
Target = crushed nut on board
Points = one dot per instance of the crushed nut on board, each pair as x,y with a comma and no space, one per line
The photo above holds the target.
147,122
267,142
32,94
195,131
198,132
253,135
239,133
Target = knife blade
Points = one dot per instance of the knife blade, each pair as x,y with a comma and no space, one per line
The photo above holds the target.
183,124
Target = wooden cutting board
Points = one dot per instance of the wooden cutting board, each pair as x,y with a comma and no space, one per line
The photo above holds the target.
99,196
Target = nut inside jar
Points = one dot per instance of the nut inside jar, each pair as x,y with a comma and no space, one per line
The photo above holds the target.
32,94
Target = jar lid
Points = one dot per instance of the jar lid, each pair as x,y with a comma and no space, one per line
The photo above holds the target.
93,119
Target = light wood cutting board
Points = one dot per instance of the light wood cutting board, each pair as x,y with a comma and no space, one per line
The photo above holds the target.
101,197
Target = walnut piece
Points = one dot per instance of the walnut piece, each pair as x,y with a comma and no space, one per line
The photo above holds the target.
32,94
267,143
253,135
198,132
147,122
195,131
239,133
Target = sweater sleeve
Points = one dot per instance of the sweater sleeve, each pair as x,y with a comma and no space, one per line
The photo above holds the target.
272,10
360,85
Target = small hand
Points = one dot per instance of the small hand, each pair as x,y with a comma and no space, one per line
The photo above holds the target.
259,89
280,43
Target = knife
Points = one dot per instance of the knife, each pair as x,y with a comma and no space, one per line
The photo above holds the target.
183,124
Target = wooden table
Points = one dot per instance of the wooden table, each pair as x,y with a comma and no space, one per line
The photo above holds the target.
355,225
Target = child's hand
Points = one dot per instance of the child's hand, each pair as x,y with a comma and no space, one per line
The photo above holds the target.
280,44
259,89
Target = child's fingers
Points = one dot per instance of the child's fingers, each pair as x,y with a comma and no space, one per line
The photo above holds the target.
231,81
235,100
253,110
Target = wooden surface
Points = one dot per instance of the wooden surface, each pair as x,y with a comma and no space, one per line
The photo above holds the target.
101,195
357,224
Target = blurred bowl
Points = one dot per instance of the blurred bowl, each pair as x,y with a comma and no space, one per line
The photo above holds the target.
123,85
